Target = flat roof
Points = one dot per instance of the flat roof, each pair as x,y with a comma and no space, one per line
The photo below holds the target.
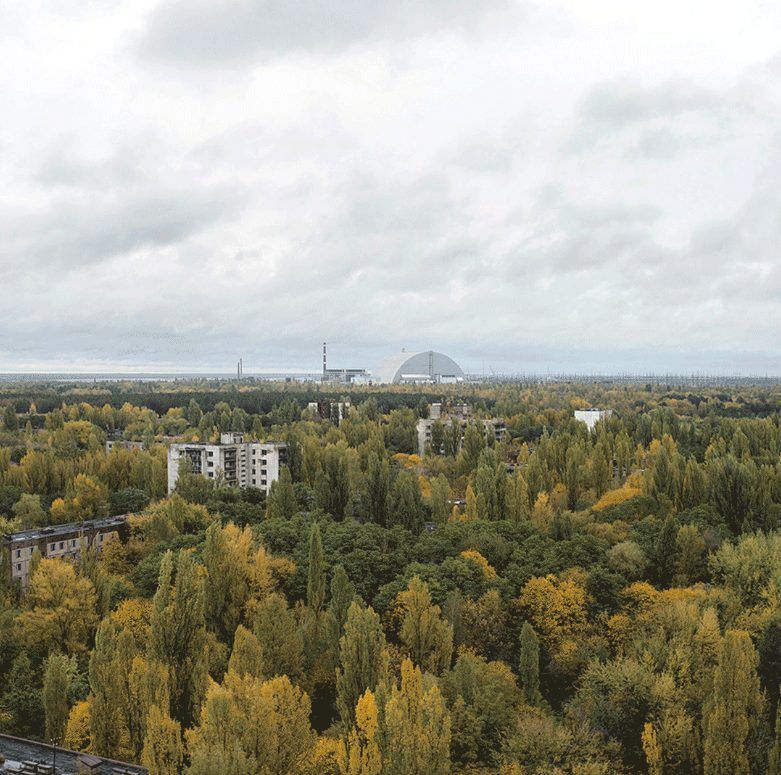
53,531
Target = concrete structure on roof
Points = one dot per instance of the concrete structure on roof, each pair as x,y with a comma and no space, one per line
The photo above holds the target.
65,542
427,366
29,757
233,461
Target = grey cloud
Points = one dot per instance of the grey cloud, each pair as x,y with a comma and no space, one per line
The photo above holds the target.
625,101
653,122
207,32
69,232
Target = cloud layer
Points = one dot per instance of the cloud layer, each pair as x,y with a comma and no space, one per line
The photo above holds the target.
527,186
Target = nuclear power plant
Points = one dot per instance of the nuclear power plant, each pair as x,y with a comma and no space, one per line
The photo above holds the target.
425,367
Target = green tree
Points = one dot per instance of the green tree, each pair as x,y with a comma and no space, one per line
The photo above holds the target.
733,712
474,444
440,499
58,674
363,660
482,697
666,550
690,555
315,580
529,664
774,758
332,484
377,489
104,710
342,595
228,558
178,633
280,639
426,636
21,698
29,512
769,654
10,419
247,654
281,501
406,504
733,488
402,435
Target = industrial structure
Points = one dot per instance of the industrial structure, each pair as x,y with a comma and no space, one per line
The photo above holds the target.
234,462
64,542
421,367
342,376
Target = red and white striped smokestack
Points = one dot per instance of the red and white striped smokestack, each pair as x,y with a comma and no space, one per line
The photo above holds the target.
324,361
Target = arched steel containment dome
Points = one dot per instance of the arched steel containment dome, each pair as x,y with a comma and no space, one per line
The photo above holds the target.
427,366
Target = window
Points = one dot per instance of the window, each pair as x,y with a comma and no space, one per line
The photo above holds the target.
52,547
18,553
19,566
73,542
62,544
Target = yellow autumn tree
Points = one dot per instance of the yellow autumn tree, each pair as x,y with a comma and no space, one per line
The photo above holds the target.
473,556
416,727
60,609
359,753
557,609
77,730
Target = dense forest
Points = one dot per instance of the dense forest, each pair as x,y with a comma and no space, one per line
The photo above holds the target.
559,601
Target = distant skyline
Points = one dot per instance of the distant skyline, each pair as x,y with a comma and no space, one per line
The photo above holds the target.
561,186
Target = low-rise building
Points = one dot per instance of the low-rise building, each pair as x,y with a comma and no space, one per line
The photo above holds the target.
64,542
234,462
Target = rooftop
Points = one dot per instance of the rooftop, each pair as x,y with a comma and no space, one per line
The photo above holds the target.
53,531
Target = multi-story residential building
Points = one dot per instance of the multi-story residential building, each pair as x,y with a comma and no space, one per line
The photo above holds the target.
460,414
123,444
234,462
335,411
60,541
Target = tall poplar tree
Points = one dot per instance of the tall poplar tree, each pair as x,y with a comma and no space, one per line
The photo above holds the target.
734,710
529,664
178,634
163,752
58,674
427,637
281,502
416,727
363,660
315,581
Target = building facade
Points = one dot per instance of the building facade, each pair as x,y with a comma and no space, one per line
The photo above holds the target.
234,462
64,542
459,414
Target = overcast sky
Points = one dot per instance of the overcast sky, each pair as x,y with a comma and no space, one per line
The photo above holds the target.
583,185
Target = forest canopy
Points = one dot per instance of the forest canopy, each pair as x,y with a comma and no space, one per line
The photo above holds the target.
545,600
